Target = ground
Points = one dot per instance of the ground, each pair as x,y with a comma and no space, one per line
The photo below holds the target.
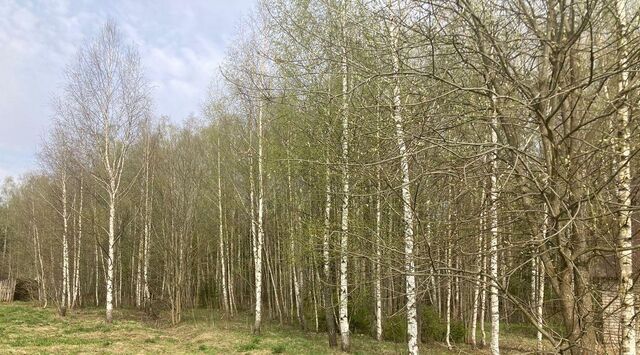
27,329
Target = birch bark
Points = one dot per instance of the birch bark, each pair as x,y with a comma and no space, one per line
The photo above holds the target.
378,246
76,268
623,194
326,292
344,223
480,270
65,248
493,241
260,229
407,215
223,258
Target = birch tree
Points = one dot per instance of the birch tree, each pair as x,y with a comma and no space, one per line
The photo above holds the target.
106,103
344,216
623,189
407,212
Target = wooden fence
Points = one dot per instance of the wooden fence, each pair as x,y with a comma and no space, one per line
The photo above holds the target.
7,289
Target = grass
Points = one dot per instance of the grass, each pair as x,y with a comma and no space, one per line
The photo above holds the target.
26,329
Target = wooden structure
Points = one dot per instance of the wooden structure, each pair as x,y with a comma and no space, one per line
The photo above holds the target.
7,290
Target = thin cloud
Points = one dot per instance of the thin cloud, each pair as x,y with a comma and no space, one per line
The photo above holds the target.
181,44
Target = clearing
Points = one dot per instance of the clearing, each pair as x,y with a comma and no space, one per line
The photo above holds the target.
27,329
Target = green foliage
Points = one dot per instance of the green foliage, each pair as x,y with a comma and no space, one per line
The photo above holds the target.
252,345
435,329
278,349
394,328
432,327
361,315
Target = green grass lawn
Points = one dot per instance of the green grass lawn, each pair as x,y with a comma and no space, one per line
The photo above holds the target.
27,329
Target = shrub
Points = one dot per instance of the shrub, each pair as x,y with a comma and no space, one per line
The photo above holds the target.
394,328
361,315
253,345
432,328
278,349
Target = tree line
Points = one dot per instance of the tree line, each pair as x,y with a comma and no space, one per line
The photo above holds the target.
411,170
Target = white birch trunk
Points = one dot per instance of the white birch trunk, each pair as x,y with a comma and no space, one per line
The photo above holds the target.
378,256
65,248
111,255
535,269
540,279
139,286
97,274
448,295
223,258
623,195
260,229
343,311
435,300
34,231
539,305
230,273
76,268
483,294
119,266
147,228
42,291
480,270
314,276
407,215
493,241
326,266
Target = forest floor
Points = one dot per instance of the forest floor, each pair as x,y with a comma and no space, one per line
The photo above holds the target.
27,329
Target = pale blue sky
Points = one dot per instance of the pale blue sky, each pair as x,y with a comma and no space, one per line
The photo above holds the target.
181,43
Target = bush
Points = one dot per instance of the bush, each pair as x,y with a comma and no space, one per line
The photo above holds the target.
395,328
432,328
361,315
435,329
253,345
278,349
309,317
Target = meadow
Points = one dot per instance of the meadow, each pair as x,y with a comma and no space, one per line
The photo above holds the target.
28,329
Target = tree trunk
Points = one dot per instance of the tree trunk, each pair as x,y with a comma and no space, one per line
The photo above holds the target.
260,235
76,269
223,258
148,206
326,290
480,270
540,279
378,247
623,194
293,228
448,295
407,215
111,256
493,241
65,250
344,223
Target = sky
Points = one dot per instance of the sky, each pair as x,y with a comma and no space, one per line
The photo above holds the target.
181,44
